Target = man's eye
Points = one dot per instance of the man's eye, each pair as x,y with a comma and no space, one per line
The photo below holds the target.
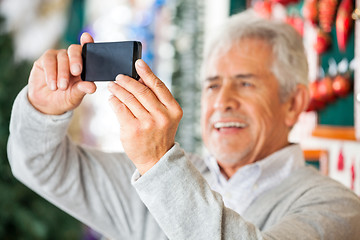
212,86
246,84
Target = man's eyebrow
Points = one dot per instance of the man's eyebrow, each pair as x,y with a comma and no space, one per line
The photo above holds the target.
245,75
237,76
212,78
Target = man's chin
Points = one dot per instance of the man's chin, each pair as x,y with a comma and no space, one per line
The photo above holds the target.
229,159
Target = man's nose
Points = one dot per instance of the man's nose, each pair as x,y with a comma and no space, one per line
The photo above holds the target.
227,98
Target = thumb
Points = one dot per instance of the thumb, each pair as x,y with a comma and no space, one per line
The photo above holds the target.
81,88
154,83
144,71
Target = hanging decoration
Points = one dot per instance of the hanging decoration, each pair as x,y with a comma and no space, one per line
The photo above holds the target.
325,90
337,83
296,22
341,85
285,2
353,176
340,163
322,42
263,8
310,11
315,101
344,23
320,13
327,11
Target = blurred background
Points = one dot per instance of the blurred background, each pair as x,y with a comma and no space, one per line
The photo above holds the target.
173,33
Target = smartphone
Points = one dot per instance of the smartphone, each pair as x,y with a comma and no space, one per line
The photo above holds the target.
104,61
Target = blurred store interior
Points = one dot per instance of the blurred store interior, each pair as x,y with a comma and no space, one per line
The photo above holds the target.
172,33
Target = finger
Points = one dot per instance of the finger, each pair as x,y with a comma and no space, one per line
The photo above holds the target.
79,89
128,99
123,114
86,87
49,65
86,38
142,93
154,83
74,52
63,71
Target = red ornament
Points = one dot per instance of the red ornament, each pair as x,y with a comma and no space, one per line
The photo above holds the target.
316,102
310,11
297,23
341,85
323,42
344,23
285,2
340,165
325,90
327,10
315,105
263,8
352,169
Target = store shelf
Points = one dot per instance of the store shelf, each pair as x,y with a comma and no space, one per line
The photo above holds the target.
332,132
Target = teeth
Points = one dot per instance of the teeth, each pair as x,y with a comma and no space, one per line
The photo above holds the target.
229,124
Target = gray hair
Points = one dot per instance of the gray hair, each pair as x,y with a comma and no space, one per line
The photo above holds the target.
290,65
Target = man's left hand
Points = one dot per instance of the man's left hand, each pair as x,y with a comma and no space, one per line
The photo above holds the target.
148,115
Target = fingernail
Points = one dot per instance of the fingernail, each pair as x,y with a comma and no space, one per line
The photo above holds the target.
63,83
81,87
111,84
140,63
76,68
84,89
119,77
110,97
52,85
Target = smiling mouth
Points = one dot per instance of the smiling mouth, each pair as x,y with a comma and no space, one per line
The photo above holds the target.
220,125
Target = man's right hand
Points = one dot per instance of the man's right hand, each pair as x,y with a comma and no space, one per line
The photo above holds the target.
55,86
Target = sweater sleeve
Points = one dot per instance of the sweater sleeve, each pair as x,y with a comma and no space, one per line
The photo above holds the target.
91,185
185,207
321,209
183,204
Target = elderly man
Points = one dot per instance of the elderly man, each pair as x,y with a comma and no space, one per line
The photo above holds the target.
252,183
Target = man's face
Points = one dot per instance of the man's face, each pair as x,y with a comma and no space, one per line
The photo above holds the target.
242,117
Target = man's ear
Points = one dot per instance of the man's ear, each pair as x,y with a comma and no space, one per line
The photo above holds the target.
296,104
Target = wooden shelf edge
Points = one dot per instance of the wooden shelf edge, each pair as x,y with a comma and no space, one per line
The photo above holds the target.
314,154
341,133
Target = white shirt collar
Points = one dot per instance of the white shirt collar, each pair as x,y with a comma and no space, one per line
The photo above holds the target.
254,179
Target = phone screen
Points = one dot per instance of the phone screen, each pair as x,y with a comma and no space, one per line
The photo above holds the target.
104,61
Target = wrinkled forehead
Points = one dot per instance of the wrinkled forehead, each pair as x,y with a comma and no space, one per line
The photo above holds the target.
246,48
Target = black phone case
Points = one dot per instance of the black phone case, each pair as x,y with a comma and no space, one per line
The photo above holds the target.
104,61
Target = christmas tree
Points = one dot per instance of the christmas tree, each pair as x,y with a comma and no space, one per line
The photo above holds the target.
23,214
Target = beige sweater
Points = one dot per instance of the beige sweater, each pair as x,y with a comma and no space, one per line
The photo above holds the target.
172,200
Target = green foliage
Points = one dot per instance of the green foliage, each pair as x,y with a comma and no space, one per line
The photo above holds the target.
188,18
23,214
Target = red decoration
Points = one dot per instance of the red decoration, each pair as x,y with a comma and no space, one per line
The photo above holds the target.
352,169
310,11
340,165
325,90
316,102
341,85
297,23
323,42
263,8
285,2
344,23
327,10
